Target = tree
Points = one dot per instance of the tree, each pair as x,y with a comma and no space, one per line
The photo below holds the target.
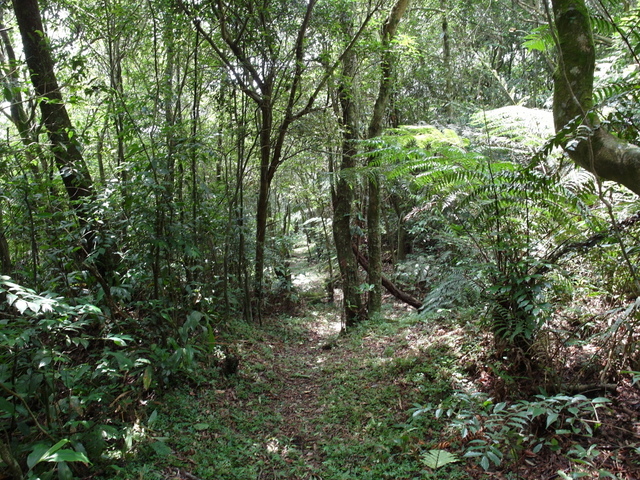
249,35
342,192
592,147
263,47
375,130
68,156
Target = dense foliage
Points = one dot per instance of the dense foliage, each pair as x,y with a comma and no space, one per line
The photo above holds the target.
158,173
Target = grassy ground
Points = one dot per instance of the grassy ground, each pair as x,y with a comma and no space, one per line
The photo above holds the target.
306,404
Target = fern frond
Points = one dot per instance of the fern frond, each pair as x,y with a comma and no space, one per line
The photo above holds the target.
435,459
603,25
526,126
608,94
539,39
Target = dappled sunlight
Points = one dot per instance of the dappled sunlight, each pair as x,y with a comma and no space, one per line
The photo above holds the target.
307,281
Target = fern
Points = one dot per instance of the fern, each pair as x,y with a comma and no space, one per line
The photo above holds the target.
603,26
435,459
510,216
526,126
540,39
608,94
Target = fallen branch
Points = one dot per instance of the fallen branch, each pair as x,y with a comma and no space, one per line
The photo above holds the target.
388,284
590,242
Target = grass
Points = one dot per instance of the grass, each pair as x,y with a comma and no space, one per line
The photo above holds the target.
297,411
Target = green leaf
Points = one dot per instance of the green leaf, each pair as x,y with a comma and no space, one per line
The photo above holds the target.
495,456
161,449
435,459
120,340
36,455
124,363
147,378
551,417
152,418
6,406
499,407
66,456
64,472
201,426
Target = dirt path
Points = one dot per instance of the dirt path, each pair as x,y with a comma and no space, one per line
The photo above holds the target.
304,368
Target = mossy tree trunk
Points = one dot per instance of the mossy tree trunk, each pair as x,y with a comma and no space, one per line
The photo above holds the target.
343,194
598,151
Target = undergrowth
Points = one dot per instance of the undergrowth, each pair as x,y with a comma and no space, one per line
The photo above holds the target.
358,394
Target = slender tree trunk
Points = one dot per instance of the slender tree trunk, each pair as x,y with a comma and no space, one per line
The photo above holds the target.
114,48
68,157
262,209
375,130
446,59
5,255
195,124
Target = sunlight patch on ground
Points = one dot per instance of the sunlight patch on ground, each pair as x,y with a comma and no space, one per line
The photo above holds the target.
307,281
326,322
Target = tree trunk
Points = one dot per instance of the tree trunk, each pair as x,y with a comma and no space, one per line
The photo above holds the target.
5,255
113,43
595,149
68,157
375,130
446,60
262,209
26,126
343,195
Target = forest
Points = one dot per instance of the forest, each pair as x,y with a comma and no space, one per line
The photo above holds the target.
320,239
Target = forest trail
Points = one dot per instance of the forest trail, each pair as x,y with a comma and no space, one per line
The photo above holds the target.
307,402
304,366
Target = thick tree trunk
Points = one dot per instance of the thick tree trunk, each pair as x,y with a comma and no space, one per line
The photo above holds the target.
375,130
595,149
343,196
68,157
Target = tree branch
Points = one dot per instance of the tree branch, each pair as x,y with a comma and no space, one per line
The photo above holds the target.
388,284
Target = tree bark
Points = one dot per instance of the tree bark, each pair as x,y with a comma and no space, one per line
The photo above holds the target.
26,126
342,196
5,254
594,149
68,157
375,130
